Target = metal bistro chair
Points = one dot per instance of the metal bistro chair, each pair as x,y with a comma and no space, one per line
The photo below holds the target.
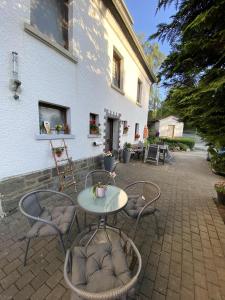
142,197
152,154
96,176
103,270
48,221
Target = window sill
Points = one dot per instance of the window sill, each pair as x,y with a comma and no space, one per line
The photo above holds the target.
94,136
47,41
117,89
54,136
138,104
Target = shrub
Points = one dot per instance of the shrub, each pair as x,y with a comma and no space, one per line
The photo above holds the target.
183,147
217,160
175,141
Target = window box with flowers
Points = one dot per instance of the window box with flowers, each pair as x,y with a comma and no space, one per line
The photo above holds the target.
94,126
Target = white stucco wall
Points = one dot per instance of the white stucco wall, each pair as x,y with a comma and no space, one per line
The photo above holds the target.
171,120
46,75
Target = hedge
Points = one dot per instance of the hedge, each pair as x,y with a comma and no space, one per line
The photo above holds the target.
182,140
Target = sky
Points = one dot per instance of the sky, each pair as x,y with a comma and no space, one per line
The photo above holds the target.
146,20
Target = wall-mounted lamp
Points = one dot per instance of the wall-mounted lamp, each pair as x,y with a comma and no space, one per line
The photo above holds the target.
16,83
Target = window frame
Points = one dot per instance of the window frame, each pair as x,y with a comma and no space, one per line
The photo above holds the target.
139,91
96,118
137,131
65,111
120,59
65,27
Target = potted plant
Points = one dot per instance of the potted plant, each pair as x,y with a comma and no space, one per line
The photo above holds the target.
58,151
94,129
127,148
137,136
66,129
109,161
220,189
58,128
99,190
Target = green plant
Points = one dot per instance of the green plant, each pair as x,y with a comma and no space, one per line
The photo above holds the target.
182,146
217,160
58,127
127,146
153,139
220,187
175,141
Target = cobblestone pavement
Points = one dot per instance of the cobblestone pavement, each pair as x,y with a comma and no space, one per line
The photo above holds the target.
187,262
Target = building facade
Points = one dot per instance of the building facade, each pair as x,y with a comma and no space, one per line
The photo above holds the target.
168,127
69,69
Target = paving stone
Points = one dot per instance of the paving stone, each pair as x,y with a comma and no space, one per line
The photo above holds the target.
56,293
41,293
201,293
24,280
10,279
147,287
25,293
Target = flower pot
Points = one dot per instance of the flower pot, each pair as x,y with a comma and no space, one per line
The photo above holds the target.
221,197
109,162
94,132
126,156
100,192
58,154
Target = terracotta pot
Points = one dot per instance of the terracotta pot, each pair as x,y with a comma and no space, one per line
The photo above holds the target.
58,154
100,192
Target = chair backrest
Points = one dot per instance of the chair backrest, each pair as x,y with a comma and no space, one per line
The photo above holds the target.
30,204
96,176
153,152
149,190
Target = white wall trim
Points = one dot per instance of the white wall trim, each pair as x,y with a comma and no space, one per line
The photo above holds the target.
48,42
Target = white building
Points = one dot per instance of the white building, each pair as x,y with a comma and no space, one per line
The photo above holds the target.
79,63
169,127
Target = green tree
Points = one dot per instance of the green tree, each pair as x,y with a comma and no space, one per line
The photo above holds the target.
195,69
155,58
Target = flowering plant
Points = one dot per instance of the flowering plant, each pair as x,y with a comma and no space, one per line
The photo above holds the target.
93,127
108,154
220,187
137,135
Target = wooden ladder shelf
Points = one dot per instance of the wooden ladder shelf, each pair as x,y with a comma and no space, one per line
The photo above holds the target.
64,166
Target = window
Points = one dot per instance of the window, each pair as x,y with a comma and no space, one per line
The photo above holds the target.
94,124
125,127
53,119
139,91
117,67
51,18
136,134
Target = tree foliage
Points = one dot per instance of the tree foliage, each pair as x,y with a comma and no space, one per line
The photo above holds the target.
155,58
194,71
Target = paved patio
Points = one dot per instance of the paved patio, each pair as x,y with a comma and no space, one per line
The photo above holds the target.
188,262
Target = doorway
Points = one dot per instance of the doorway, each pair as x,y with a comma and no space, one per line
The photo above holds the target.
171,129
109,134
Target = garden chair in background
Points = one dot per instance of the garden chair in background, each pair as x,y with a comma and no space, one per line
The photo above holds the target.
142,197
45,222
152,154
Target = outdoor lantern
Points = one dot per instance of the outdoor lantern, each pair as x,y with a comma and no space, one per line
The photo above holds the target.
145,134
15,81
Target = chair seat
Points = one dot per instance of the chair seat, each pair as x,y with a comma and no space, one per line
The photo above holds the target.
100,267
61,216
135,204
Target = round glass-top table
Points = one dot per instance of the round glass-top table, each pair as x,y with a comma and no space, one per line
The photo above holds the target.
115,199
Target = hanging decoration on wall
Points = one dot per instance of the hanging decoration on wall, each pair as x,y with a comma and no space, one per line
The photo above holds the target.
16,83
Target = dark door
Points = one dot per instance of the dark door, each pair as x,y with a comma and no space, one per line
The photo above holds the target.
109,135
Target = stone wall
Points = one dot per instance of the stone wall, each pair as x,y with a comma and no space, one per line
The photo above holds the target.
12,189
